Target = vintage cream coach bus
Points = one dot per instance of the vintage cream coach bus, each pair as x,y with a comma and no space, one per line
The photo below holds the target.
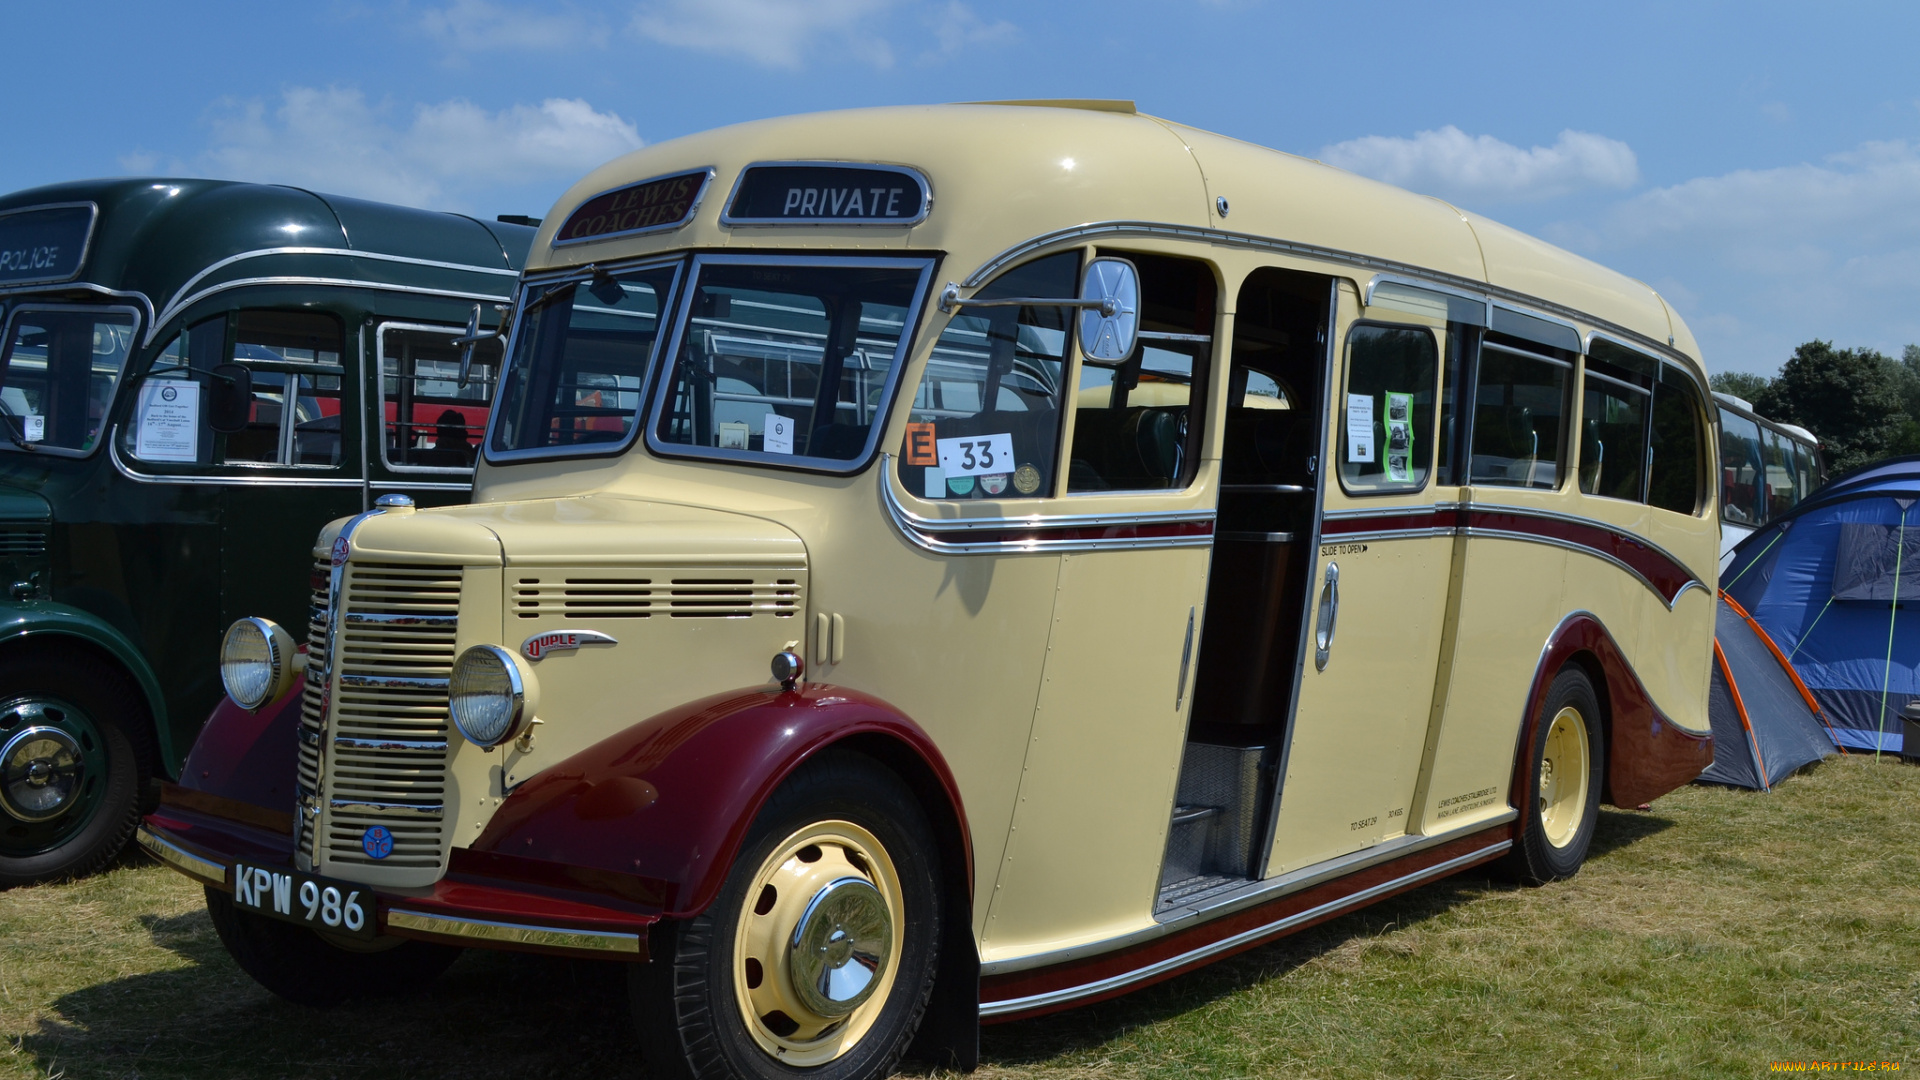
1160,544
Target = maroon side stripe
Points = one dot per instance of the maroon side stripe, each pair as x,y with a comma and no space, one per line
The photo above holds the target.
1666,576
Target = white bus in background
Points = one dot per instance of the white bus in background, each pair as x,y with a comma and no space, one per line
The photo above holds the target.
1766,468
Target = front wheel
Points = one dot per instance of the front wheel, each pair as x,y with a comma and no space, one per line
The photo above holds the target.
75,753
307,969
1563,784
819,953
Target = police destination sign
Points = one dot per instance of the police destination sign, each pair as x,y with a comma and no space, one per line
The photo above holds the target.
665,202
44,243
828,194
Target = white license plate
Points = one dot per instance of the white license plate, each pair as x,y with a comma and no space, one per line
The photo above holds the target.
320,903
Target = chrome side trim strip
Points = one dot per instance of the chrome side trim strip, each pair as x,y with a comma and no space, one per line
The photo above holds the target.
180,858
175,303
344,283
389,809
600,941
120,465
1246,937
1412,275
1252,894
931,534
1391,534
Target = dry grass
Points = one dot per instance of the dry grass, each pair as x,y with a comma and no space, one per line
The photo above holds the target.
1720,932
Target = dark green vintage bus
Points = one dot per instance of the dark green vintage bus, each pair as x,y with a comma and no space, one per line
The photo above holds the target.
194,377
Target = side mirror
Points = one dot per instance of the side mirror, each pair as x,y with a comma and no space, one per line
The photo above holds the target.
475,336
230,400
1109,327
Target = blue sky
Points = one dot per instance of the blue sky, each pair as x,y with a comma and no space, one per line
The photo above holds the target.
1759,163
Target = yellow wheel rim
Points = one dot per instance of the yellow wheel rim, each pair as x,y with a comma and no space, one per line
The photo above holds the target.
1564,768
818,943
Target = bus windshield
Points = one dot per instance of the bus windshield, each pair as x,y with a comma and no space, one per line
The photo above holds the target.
58,374
580,361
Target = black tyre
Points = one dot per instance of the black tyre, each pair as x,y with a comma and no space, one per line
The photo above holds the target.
76,752
1562,799
818,956
307,969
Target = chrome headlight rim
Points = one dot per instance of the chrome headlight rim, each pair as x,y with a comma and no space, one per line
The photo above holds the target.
281,661
520,695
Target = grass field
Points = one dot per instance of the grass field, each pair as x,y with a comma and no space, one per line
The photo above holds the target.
1720,932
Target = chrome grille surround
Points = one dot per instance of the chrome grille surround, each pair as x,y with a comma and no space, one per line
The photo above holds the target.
373,731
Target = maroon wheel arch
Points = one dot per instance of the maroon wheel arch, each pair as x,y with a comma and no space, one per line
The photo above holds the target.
669,799
248,757
1647,755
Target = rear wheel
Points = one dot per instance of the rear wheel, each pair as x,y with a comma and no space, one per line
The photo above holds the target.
1563,785
818,956
307,969
75,753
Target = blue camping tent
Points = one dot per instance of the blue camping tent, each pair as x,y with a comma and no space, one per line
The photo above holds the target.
1836,585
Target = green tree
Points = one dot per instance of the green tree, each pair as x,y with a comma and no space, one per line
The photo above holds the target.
1850,398
1741,384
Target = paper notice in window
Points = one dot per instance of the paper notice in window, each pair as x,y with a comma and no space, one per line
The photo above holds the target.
33,427
167,421
778,438
1359,427
1400,437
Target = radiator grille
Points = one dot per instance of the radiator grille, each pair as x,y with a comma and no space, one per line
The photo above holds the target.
313,720
386,750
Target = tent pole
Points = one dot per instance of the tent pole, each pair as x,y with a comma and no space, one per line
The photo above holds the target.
1893,615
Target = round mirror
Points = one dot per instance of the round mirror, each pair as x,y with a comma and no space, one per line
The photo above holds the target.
1107,332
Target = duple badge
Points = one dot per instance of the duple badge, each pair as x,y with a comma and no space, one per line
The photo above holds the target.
551,641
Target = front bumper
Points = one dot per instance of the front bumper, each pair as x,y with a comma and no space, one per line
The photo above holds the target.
473,906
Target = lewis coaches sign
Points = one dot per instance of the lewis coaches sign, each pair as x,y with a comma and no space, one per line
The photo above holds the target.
44,243
664,202
799,193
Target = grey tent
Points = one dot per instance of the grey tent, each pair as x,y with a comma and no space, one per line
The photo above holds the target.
1766,725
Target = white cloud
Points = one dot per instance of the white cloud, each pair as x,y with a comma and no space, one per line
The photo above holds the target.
956,27
791,34
469,26
334,140
1769,258
1481,168
1868,195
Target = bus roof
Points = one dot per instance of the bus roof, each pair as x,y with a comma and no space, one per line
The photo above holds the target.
1005,174
157,237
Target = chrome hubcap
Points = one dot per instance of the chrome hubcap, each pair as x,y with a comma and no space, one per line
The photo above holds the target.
840,947
40,773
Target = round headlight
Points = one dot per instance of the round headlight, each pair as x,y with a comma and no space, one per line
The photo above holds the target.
257,662
490,696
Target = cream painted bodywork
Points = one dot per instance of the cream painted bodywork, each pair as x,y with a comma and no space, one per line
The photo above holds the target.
1050,682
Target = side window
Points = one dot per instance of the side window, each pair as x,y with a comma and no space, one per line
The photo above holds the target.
1136,426
428,420
1742,472
985,421
293,358
1613,431
1386,411
1520,401
1673,457
1782,493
